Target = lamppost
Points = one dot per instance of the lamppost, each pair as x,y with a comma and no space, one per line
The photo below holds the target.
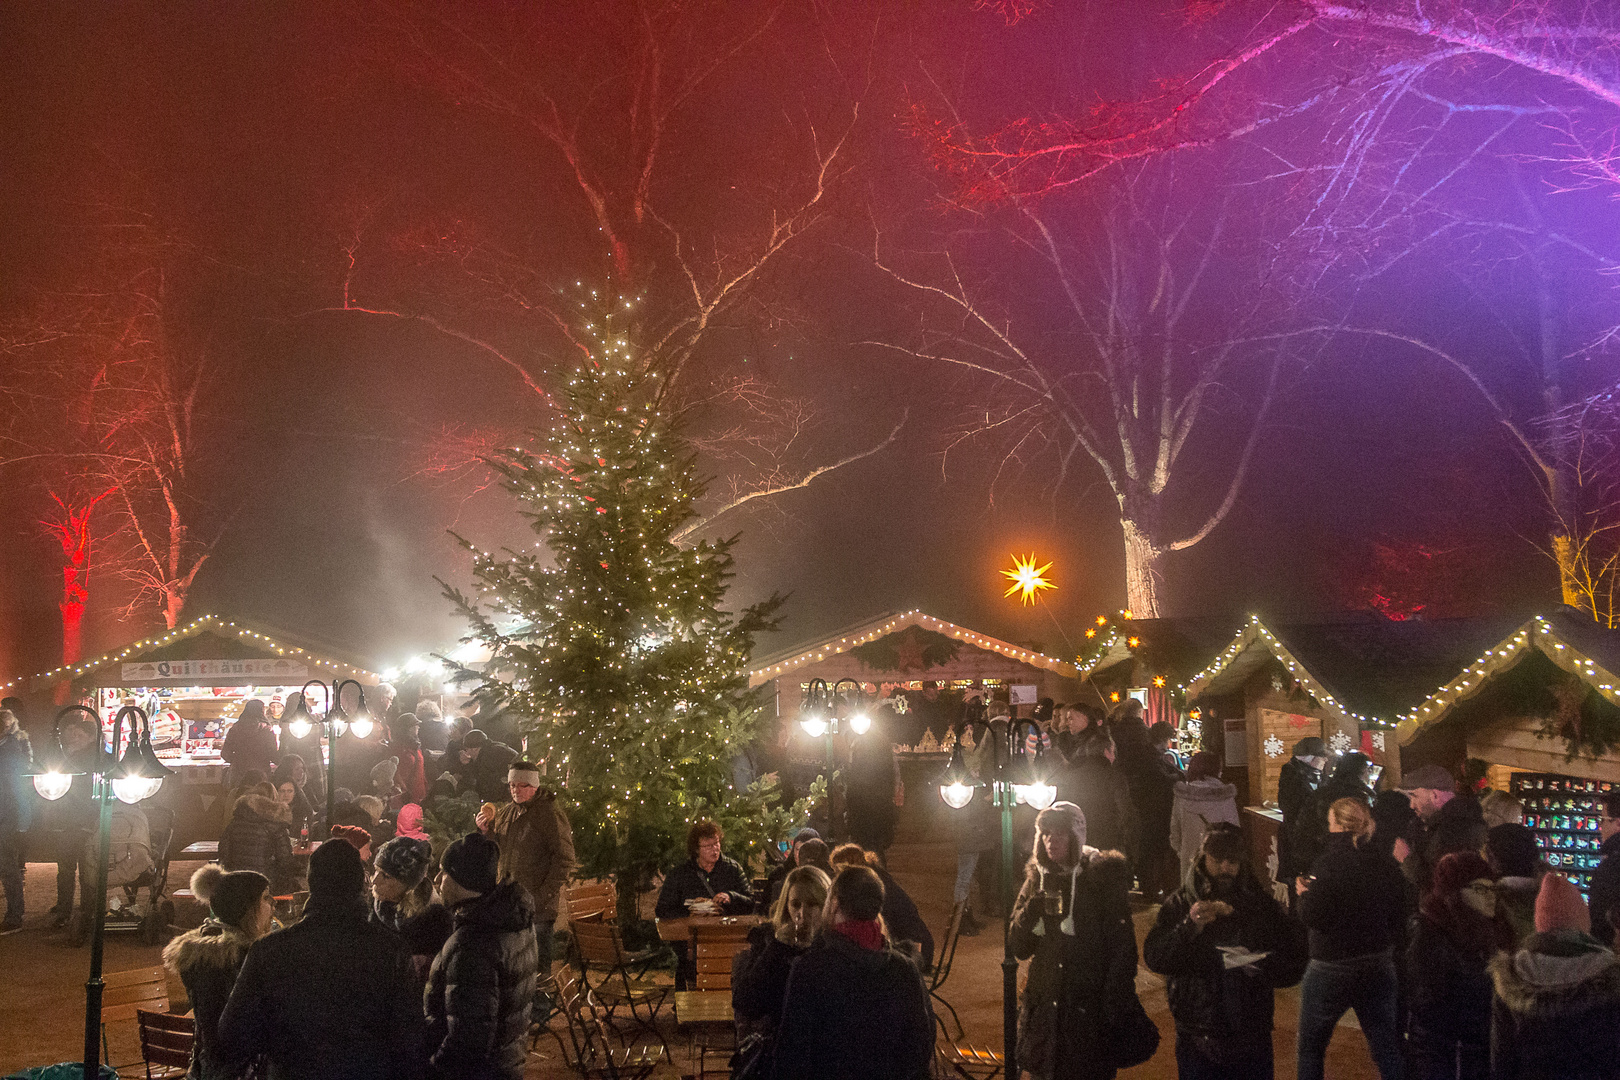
136,777
818,716
1013,776
336,722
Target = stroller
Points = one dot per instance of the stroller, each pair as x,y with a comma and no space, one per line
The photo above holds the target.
138,858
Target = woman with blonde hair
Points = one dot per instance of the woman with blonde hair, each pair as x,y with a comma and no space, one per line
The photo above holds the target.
759,975
1354,905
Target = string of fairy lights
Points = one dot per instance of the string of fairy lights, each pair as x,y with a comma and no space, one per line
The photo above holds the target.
191,629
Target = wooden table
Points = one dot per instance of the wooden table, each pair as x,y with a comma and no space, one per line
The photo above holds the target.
206,849
688,927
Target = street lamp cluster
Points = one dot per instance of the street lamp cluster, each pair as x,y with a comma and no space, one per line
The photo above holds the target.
337,723
818,715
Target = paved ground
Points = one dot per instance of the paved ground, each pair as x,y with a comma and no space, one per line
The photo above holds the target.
42,994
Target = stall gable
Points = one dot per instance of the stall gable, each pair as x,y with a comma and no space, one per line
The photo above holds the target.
205,639
837,646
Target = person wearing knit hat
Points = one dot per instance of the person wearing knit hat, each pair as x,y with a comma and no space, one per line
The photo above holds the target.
1457,930
333,994
402,899
536,844
1556,1005
207,959
481,988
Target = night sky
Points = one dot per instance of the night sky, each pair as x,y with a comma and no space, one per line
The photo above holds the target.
260,139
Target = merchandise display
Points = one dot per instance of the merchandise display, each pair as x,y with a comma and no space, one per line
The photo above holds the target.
1563,812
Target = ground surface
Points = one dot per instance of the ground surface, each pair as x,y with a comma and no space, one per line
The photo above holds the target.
42,992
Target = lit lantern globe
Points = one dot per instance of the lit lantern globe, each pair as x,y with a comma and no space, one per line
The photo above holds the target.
814,726
52,785
1040,794
860,723
362,726
300,727
134,789
956,794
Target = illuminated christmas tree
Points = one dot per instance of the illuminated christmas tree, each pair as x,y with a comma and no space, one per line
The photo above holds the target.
613,638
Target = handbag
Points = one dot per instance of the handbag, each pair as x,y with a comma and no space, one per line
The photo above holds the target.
1132,1038
752,1058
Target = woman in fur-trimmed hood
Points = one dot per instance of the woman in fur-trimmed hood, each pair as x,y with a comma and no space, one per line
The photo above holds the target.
258,837
1556,1008
1073,917
207,959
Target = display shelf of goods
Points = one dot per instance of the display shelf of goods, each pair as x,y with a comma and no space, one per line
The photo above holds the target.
1563,812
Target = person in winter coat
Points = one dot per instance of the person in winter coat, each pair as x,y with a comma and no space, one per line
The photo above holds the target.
1155,801
240,911
402,900
1072,920
1605,884
331,995
1347,781
258,838
1201,800
411,773
1515,862
1300,777
854,1008
308,750
759,975
900,916
1448,993
790,862
1103,795
481,987
484,764
976,828
1555,1011
1447,821
298,808
16,814
872,785
537,848
251,742
1354,906
706,875
1223,1013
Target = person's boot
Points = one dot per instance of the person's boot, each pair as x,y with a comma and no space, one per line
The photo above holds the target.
971,927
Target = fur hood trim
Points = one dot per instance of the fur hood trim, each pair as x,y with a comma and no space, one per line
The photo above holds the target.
1208,789
1544,985
1105,866
213,945
262,807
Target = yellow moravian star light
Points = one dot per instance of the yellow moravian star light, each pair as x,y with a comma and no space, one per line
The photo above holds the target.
1026,579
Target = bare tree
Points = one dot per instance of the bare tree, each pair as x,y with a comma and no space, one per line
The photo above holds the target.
1585,437
1147,346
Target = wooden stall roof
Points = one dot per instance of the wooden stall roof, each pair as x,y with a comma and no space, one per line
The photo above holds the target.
1360,667
208,637
788,661
1569,638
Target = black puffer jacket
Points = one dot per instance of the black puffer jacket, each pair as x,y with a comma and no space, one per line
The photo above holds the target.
481,988
1448,992
759,978
330,996
1103,795
1457,826
852,1013
257,838
1295,786
904,921
207,960
1357,904
1206,998
1083,969
1556,1011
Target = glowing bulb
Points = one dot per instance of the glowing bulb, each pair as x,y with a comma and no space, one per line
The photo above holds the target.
1040,794
339,727
814,726
860,723
300,728
1026,579
52,785
362,726
133,789
956,794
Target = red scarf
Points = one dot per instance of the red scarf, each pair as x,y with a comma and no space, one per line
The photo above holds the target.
864,932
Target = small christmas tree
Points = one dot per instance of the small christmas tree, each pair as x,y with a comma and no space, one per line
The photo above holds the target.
615,645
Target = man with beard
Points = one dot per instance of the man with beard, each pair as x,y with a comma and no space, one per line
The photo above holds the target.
1224,943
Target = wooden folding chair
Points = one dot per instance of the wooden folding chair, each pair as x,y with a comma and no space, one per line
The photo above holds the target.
127,992
591,900
706,1011
966,1060
166,1042
945,958
600,950
593,1047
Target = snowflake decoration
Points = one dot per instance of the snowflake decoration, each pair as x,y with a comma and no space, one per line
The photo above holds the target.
1378,741
1273,745
1340,742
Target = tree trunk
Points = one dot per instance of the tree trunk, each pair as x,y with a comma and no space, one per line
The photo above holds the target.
1561,481
1143,574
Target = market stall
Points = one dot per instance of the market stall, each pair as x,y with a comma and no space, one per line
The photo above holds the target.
193,682
922,668
1539,712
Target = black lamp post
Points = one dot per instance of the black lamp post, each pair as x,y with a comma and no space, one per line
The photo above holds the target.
336,722
1014,776
818,716
134,778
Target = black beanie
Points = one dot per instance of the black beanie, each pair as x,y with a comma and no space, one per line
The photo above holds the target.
336,872
472,862
230,896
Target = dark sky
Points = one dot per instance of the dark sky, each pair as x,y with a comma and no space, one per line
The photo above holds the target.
263,133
